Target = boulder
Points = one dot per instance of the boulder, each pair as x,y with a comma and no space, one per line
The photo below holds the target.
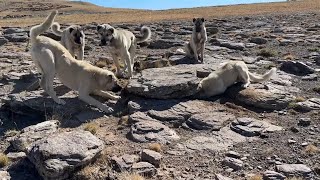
33,133
144,168
295,170
152,157
235,164
58,155
209,121
272,175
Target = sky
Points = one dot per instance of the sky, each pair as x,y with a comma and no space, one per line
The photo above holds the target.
169,4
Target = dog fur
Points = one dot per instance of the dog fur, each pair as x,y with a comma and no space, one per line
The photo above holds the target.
228,74
72,38
52,58
122,45
196,45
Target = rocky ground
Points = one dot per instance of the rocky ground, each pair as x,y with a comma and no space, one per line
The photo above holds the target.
268,130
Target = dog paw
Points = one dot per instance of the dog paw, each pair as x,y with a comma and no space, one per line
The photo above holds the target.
108,110
61,102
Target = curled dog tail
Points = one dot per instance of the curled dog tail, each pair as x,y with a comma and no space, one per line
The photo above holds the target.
35,31
56,29
262,78
146,34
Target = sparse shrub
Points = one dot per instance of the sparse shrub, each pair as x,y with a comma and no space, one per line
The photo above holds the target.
11,133
155,147
311,149
267,53
91,127
4,160
292,105
314,49
256,177
124,120
316,89
288,57
299,99
128,176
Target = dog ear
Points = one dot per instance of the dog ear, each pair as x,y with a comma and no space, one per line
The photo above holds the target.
194,20
111,30
99,27
71,29
202,19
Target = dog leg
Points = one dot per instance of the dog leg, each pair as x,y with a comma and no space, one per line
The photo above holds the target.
132,51
80,54
129,65
106,95
195,51
202,52
90,100
116,62
245,78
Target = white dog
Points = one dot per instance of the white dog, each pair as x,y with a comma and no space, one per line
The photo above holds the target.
234,71
52,58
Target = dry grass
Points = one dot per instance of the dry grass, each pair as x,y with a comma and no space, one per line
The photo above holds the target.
4,160
256,177
288,57
155,147
267,53
98,14
91,127
128,176
299,99
11,133
311,150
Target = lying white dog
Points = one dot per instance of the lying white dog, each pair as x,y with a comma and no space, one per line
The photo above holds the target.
229,73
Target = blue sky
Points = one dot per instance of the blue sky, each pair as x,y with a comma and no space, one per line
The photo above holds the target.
169,4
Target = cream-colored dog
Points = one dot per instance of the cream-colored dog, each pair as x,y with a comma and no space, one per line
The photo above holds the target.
234,71
72,38
122,45
52,58
195,48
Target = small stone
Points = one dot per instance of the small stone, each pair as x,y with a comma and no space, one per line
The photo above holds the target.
233,163
304,144
304,121
152,157
221,177
294,129
290,141
272,175
144,168
14,156
233,154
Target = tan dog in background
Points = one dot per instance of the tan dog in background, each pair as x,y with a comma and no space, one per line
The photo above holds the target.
122,45
72,38
195,47
52,58
229,73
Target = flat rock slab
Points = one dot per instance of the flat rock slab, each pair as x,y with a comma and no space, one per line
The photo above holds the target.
164,83
295,170
58,155
152,131
33,133
209,121
259,96
309,105
251,127
220,141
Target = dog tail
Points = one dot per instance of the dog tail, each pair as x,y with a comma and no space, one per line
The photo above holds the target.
35,31
262,78
56,29
146,34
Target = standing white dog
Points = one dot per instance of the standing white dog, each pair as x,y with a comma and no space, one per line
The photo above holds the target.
72,38
52,58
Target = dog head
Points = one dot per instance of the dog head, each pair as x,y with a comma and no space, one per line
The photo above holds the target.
107,81
198,24
106,33
76,34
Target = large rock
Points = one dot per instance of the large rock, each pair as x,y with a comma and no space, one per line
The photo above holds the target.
152,131
165,43
309,105
229,44
209,121
264,97
235,164
295,170
220,141
124,162
144,168
17,37
58,155
3,41
14,30
163,83
296,67
252,127
221,177
33,133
